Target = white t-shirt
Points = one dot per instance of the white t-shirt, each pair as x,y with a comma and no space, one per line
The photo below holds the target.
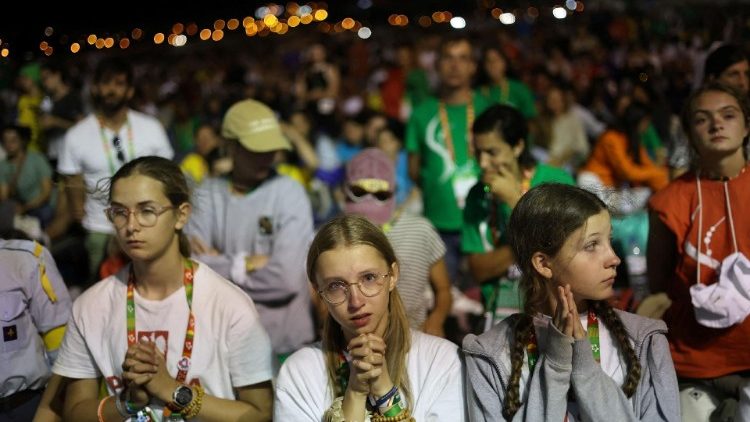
610,358
435,376
84,152
231,348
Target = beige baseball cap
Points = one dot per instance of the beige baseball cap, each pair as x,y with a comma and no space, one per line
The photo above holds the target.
255,126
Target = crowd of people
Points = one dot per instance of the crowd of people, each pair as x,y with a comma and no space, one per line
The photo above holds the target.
465,231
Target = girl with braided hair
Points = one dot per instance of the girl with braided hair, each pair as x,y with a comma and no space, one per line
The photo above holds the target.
569,356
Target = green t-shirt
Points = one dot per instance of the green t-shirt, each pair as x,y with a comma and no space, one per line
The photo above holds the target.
439,172
476,236
651,141
518,96
501,298
34,170
417,87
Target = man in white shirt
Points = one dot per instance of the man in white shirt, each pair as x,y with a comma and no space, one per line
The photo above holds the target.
97,146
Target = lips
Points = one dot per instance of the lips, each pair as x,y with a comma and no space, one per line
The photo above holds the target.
360,320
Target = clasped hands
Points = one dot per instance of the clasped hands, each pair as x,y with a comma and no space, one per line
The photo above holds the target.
145,374
368,373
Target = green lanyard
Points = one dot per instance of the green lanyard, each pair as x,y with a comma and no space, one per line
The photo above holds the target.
108,149
532,349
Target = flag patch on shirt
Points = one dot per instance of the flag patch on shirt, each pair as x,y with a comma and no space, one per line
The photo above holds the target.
10,333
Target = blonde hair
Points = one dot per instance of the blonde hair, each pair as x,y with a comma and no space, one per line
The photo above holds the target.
352,230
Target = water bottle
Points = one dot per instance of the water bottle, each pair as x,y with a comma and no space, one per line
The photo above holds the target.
635,260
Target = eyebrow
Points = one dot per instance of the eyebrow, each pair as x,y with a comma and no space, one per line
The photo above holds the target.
725,108
148,202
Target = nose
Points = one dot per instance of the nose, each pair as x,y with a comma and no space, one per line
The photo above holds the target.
356,298
484,160
745,82
132,222
612,260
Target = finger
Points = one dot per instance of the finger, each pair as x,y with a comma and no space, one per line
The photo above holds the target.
356,342
362,366
361,352
376,343
137,379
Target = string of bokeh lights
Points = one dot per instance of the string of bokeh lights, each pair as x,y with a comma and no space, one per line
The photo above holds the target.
275,19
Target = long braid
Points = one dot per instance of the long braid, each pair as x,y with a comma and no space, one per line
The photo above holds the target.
616,327
522,334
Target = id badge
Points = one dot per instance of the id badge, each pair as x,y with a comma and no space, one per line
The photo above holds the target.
463,180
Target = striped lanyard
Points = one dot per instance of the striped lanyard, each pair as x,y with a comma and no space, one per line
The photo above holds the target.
448,135
108,148
183,365
592,330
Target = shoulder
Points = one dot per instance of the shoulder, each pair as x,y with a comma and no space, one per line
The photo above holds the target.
219,290
496,339
677,191
639,327
101,295
86,124
432,356
431,345
140,118
414,223
549,173
425,109
306,363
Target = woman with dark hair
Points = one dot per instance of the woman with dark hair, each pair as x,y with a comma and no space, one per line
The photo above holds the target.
698,249
619,162
569,355
370,366
169,336
499,88
508,171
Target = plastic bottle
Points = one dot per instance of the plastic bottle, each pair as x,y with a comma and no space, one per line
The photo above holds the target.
636,263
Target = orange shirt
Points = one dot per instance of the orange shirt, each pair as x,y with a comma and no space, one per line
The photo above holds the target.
698,351
611,162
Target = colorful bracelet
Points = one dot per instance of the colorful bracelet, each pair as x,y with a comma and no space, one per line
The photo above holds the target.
376,403
100,409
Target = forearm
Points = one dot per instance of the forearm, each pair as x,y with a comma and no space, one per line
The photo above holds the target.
38,201
76,193
490,265
87,411
354,406
443,303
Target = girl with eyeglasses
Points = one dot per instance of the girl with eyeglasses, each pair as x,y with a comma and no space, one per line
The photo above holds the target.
369,365
168,337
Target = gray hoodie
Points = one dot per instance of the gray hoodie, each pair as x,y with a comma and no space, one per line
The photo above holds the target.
569,363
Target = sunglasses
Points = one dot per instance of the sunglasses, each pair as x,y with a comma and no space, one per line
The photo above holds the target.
117,142
357,194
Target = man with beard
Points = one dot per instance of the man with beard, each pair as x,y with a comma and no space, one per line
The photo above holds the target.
97,146
254,228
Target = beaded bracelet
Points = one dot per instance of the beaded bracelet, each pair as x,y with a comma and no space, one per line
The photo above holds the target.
194,407
405,415
100,409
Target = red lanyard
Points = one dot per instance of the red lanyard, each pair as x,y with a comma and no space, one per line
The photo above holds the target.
183,365
448,135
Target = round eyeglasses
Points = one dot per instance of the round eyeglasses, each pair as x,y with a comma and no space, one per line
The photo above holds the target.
338,291
145,216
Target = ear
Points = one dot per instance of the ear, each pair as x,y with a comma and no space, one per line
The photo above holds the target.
183,214
130,93
518,149
394,276
542,264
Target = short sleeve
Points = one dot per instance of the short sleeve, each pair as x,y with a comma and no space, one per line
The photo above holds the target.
250,355
75,359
